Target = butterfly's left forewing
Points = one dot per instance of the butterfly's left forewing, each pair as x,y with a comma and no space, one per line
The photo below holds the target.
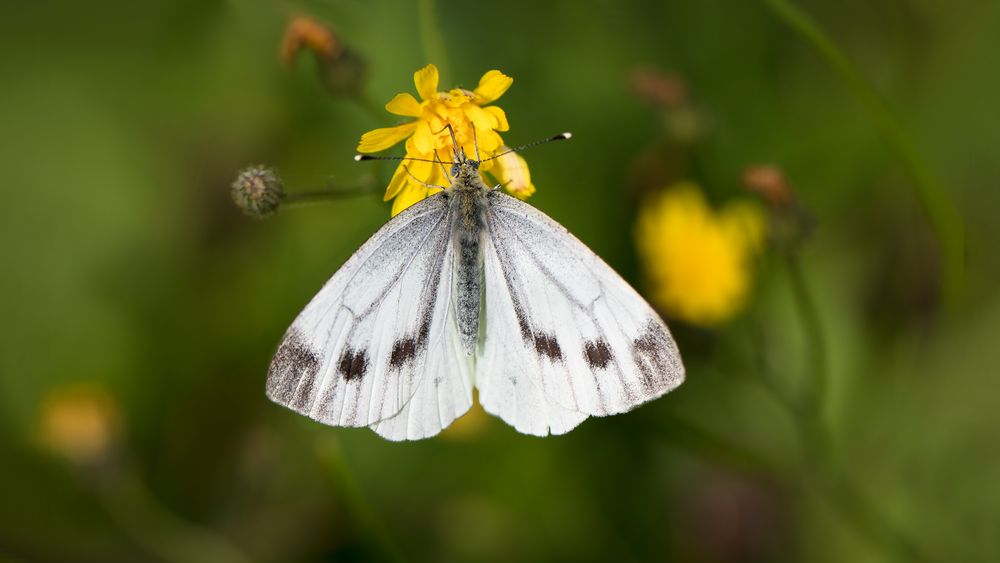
565,337
378,345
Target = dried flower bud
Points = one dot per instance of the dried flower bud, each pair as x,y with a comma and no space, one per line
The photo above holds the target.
341,70
258,191
659,88
770,183
790,222
303,32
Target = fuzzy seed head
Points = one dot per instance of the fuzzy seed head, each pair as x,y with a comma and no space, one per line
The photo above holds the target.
258,191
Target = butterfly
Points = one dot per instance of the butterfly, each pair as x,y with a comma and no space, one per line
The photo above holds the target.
472,288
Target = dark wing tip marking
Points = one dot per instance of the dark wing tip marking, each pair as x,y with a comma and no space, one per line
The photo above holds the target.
597,353
353,364
292,374
655,355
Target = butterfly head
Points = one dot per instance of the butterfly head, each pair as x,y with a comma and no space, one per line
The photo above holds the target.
464,169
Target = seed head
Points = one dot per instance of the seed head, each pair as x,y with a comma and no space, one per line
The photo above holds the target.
258,191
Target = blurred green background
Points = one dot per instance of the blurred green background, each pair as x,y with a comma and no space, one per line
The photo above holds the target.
140,308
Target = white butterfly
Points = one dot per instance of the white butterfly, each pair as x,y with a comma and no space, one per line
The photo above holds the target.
472,288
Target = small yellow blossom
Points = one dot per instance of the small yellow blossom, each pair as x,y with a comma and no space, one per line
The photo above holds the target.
474,122
79,422
471,424
699,261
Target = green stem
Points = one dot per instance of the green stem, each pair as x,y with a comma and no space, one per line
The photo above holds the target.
431,38
817,381
330,193
159,531
708,446
849,501
350,491
928,189
832,481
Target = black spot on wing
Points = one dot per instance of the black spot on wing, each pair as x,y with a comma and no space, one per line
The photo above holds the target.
546,345
292,374
353,364
405,350
597,353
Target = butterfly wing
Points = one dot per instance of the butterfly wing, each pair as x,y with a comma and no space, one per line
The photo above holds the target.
566,337
378,345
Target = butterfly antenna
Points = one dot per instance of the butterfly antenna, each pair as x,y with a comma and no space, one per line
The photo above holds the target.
361,157
419,181
475,143
444,169
454,141
559,137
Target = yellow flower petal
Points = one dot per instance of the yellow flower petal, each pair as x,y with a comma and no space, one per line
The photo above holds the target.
404,104
423,139
399,179
492,85
500,116
489,142
426,81
411,194
481,118
511,171
381,139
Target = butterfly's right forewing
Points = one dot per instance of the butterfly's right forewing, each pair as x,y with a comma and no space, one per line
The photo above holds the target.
566,337
378,345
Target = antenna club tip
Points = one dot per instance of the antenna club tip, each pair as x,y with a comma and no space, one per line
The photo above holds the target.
566,135
359,157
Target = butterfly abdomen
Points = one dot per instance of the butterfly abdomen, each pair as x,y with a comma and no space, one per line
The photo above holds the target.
467,230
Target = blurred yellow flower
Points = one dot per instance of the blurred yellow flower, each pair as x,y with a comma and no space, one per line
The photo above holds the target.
470,424
474,123
698,261
78,422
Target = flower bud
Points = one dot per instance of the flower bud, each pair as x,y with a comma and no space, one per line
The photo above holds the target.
790,222
770,183
341,70
258,191
79,423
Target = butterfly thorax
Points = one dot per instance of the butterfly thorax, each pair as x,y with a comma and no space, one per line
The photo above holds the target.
469,201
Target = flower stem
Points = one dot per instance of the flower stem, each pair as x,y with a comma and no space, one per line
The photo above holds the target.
348,489
431,38
159,531
329,193
703,444
814,398
848,500
821,462
928,189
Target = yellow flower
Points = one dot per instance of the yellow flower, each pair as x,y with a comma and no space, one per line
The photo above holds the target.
79,422
698,261
474,122
471,424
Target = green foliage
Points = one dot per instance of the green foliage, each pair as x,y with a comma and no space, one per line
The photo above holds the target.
126,266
